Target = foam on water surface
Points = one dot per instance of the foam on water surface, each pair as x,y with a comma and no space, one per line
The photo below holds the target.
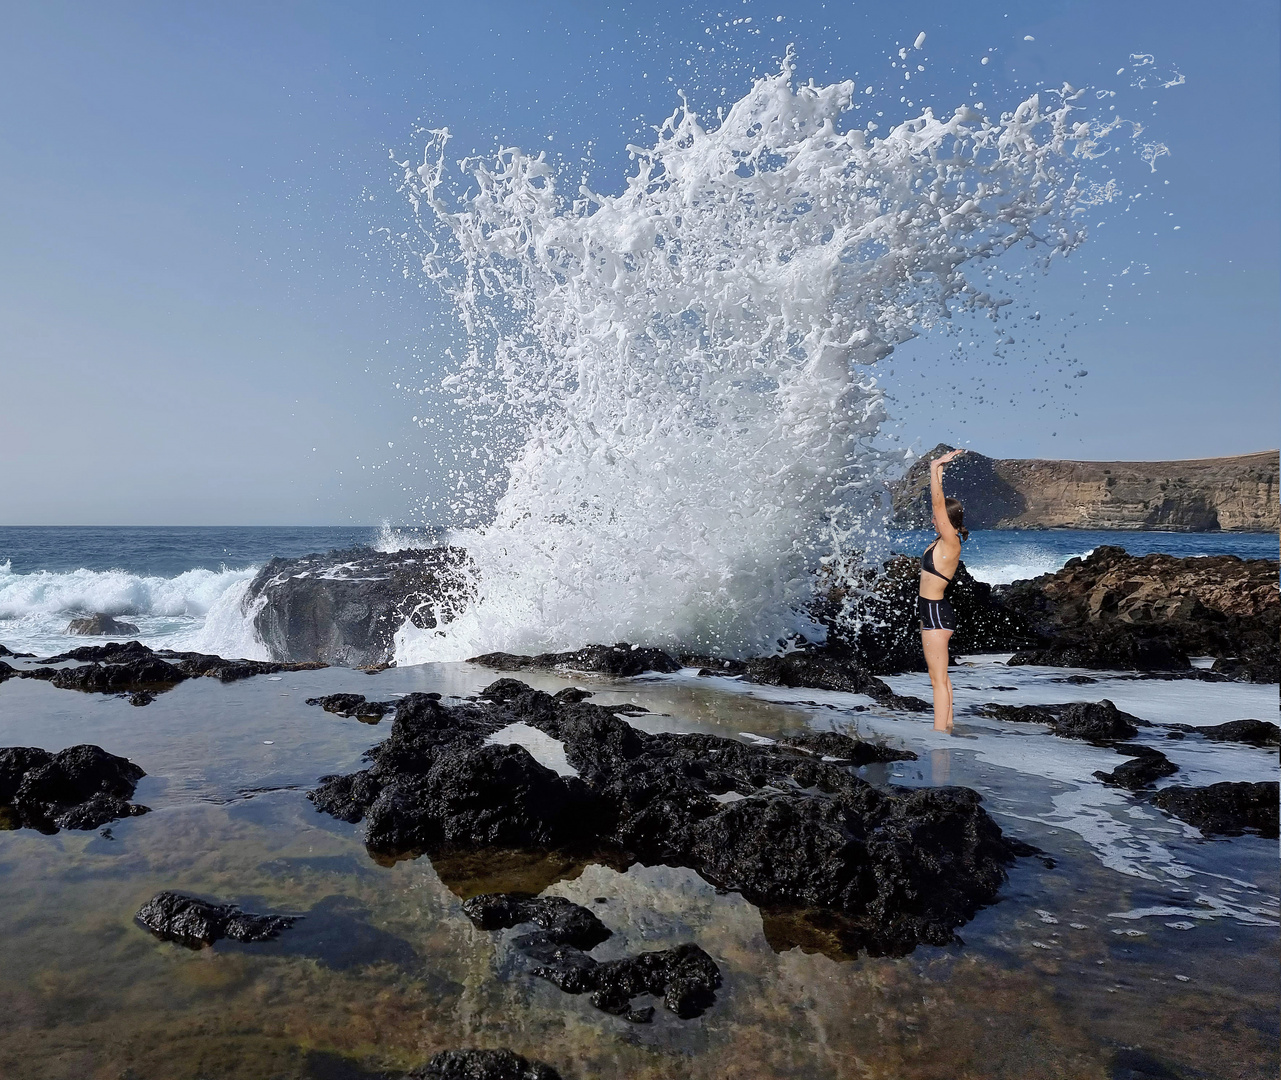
685,369
1029,775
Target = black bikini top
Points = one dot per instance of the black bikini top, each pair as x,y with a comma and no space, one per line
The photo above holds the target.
927,564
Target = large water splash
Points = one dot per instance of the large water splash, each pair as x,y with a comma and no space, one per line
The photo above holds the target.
688,364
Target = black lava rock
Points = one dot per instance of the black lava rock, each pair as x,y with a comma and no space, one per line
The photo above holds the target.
191,921
1147,766
345,607
621,660
1250,732
101,625
686,976
1118,611
1095,721
872,612
482,1065
354,705
838,747
824,670
1098,722
81,787
133,668
1226,809
561,921
904,866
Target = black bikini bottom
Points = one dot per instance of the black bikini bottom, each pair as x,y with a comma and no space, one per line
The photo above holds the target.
935,614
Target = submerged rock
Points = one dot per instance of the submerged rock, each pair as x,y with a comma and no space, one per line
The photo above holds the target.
482,1065
346,606
81,787
101,625
1226,809
1122,612
621,660
686,977
904,867
191,921
133,668
561,921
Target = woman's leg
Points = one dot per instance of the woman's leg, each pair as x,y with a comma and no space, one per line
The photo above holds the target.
934,642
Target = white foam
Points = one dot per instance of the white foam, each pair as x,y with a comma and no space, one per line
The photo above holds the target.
688,365
547,751
36,607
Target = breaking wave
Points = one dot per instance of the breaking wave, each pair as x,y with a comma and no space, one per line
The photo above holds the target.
685,371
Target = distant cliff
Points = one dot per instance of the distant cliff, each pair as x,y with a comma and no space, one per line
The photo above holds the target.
1232,494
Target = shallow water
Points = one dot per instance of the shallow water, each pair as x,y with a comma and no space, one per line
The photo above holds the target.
1064,977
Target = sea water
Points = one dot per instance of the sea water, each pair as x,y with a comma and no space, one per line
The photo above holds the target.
184,587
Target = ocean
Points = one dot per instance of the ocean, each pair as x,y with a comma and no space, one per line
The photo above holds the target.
181,586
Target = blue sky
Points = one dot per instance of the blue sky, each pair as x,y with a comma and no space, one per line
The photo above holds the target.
196,326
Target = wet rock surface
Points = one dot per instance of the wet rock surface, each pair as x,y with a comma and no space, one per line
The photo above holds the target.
101,625
344,607
1093,721
621,660
1249,732
482,1065
1146,768
81,787
1124,612
903,868
1225,809
1100,723
685,977
828,670
354,705
135,669
193,922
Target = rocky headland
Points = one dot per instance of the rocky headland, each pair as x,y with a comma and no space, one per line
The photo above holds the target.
1230,494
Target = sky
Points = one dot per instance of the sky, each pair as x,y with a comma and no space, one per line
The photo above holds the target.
200,325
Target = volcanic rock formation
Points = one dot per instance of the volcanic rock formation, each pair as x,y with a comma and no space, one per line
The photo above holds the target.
101,625
193,922
346,606
1226,809
686,977
902,867
81,787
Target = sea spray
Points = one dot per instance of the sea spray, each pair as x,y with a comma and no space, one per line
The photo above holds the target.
687,365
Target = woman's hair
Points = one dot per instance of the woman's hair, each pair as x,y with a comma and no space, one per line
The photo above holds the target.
956,515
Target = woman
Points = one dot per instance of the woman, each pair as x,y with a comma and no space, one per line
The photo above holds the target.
938,567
